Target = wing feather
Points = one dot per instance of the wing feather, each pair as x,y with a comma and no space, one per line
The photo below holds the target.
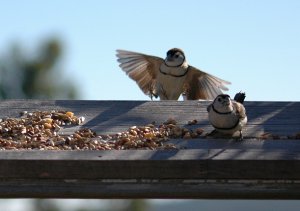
212,92
142,68
201,85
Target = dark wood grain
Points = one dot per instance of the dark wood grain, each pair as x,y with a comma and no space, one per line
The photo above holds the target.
147,164
167,189
202,168
197,173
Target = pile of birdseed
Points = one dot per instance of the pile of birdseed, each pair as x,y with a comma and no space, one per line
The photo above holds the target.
40,131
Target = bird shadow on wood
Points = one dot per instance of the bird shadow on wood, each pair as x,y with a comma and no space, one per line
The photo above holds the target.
276,118
111,116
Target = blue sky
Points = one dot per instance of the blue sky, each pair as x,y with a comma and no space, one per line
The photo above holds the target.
253,44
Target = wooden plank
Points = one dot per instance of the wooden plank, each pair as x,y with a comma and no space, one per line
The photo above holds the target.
149,189
219,172
147,164
280,118
129,161
202,168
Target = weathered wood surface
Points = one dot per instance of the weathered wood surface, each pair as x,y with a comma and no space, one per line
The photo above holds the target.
206,168
280,118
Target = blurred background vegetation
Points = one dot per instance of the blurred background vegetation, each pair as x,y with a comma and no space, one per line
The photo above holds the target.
112,205
40,75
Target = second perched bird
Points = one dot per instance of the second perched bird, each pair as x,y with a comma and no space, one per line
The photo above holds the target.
228,116
170,77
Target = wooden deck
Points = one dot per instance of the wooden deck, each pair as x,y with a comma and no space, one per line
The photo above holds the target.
205,168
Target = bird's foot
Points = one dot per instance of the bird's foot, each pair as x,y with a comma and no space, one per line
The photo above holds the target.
241,137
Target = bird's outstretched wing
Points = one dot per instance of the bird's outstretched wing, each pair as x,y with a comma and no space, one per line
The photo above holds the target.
201,85
140,67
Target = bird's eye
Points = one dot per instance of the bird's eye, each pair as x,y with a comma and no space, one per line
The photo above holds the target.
219,99
176,56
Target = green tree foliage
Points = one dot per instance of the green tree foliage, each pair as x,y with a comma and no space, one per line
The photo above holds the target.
35,75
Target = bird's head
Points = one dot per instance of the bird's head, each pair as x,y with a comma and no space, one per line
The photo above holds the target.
223,103
175,57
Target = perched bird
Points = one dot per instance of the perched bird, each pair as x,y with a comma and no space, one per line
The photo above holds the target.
170,77
228,116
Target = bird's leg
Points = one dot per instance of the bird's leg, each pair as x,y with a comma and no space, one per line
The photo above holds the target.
152,92
151,95
241,136
184,95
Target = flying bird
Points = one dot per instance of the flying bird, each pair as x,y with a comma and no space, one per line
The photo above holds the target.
228,116
170,77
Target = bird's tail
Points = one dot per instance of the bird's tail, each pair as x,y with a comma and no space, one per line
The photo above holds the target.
240,97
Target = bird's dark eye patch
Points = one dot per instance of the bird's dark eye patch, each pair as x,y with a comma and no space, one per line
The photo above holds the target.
225,96
219,99
170,53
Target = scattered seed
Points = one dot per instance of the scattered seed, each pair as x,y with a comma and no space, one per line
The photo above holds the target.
199,131
170,121
39,130
192,122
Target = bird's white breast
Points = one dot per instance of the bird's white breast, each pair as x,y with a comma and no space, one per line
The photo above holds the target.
169,84
226,121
